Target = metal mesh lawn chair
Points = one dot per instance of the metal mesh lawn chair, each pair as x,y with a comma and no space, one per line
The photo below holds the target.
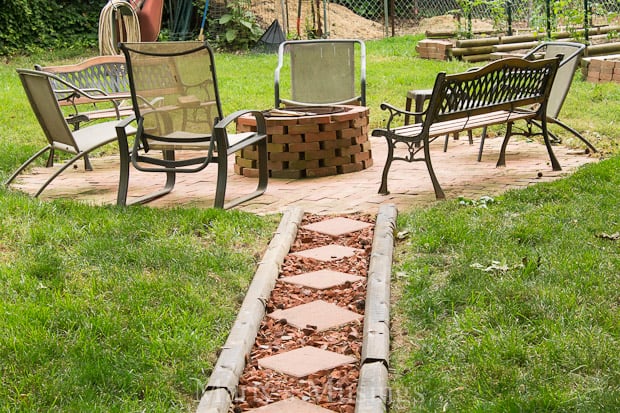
322,72
38,88
177,108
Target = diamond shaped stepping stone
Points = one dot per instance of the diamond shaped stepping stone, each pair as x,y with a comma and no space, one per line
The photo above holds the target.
320,280
319,313
328,252
291,406
337,226
304,361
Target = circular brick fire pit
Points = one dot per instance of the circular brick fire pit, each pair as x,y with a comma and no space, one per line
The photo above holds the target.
320,142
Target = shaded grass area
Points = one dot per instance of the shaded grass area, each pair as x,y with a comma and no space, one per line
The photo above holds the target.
511,304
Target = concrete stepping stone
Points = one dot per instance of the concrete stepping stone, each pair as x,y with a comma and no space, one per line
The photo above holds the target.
304,361
328,252
322,279
292,405
337,226
319,313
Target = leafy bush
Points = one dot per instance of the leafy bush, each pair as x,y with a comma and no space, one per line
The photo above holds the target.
239,26
41,24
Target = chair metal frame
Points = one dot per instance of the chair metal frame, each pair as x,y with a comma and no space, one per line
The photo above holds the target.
571,53
215,140
41,95
327,76
563,81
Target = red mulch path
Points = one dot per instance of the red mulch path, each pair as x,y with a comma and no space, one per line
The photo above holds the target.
333,389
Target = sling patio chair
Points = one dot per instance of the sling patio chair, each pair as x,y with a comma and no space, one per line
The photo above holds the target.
40,93
321,72
177,108
571,53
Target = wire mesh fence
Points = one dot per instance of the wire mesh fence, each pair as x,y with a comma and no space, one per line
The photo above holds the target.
368,19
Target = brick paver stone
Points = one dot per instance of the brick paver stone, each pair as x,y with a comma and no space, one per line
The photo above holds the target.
337,226
319,313
292,405
322,279
304,361
328,252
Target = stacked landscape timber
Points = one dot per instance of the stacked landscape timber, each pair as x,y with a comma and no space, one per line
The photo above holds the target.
436,46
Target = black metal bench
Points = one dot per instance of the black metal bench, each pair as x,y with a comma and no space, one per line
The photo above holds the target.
97,76
501,92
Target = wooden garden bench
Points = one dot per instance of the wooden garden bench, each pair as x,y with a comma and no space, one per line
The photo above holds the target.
501,92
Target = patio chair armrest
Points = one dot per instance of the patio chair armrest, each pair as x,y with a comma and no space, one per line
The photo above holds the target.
219,130
260,119
122,125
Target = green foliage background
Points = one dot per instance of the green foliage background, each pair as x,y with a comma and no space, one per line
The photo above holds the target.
32,25
28,25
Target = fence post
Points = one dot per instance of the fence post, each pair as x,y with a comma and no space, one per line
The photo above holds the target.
509,16
586,20
386,12
548,19
392,14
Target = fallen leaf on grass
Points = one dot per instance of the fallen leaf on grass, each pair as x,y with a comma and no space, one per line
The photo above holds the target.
614,237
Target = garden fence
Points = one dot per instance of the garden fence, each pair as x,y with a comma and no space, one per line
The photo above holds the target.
324,18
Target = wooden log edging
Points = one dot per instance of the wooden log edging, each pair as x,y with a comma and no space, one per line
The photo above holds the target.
488,48
372,389
223,382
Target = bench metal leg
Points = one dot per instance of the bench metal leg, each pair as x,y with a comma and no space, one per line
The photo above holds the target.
383,189
502,153
386,168
482,139
554,161
427,159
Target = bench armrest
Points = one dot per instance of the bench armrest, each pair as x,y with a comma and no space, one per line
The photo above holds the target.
394,112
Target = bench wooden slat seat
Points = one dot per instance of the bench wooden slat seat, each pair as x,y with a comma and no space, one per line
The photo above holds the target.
502,92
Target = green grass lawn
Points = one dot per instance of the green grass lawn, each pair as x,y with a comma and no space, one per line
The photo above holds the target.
508,304
512,304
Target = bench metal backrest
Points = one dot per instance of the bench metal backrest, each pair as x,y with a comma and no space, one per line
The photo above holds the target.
106,74
508,84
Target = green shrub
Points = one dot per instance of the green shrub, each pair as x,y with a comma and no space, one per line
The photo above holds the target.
29,25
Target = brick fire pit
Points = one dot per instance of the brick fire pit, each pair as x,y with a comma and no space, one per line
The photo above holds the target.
333,140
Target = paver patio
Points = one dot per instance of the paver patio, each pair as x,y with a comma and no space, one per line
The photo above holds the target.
458,171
